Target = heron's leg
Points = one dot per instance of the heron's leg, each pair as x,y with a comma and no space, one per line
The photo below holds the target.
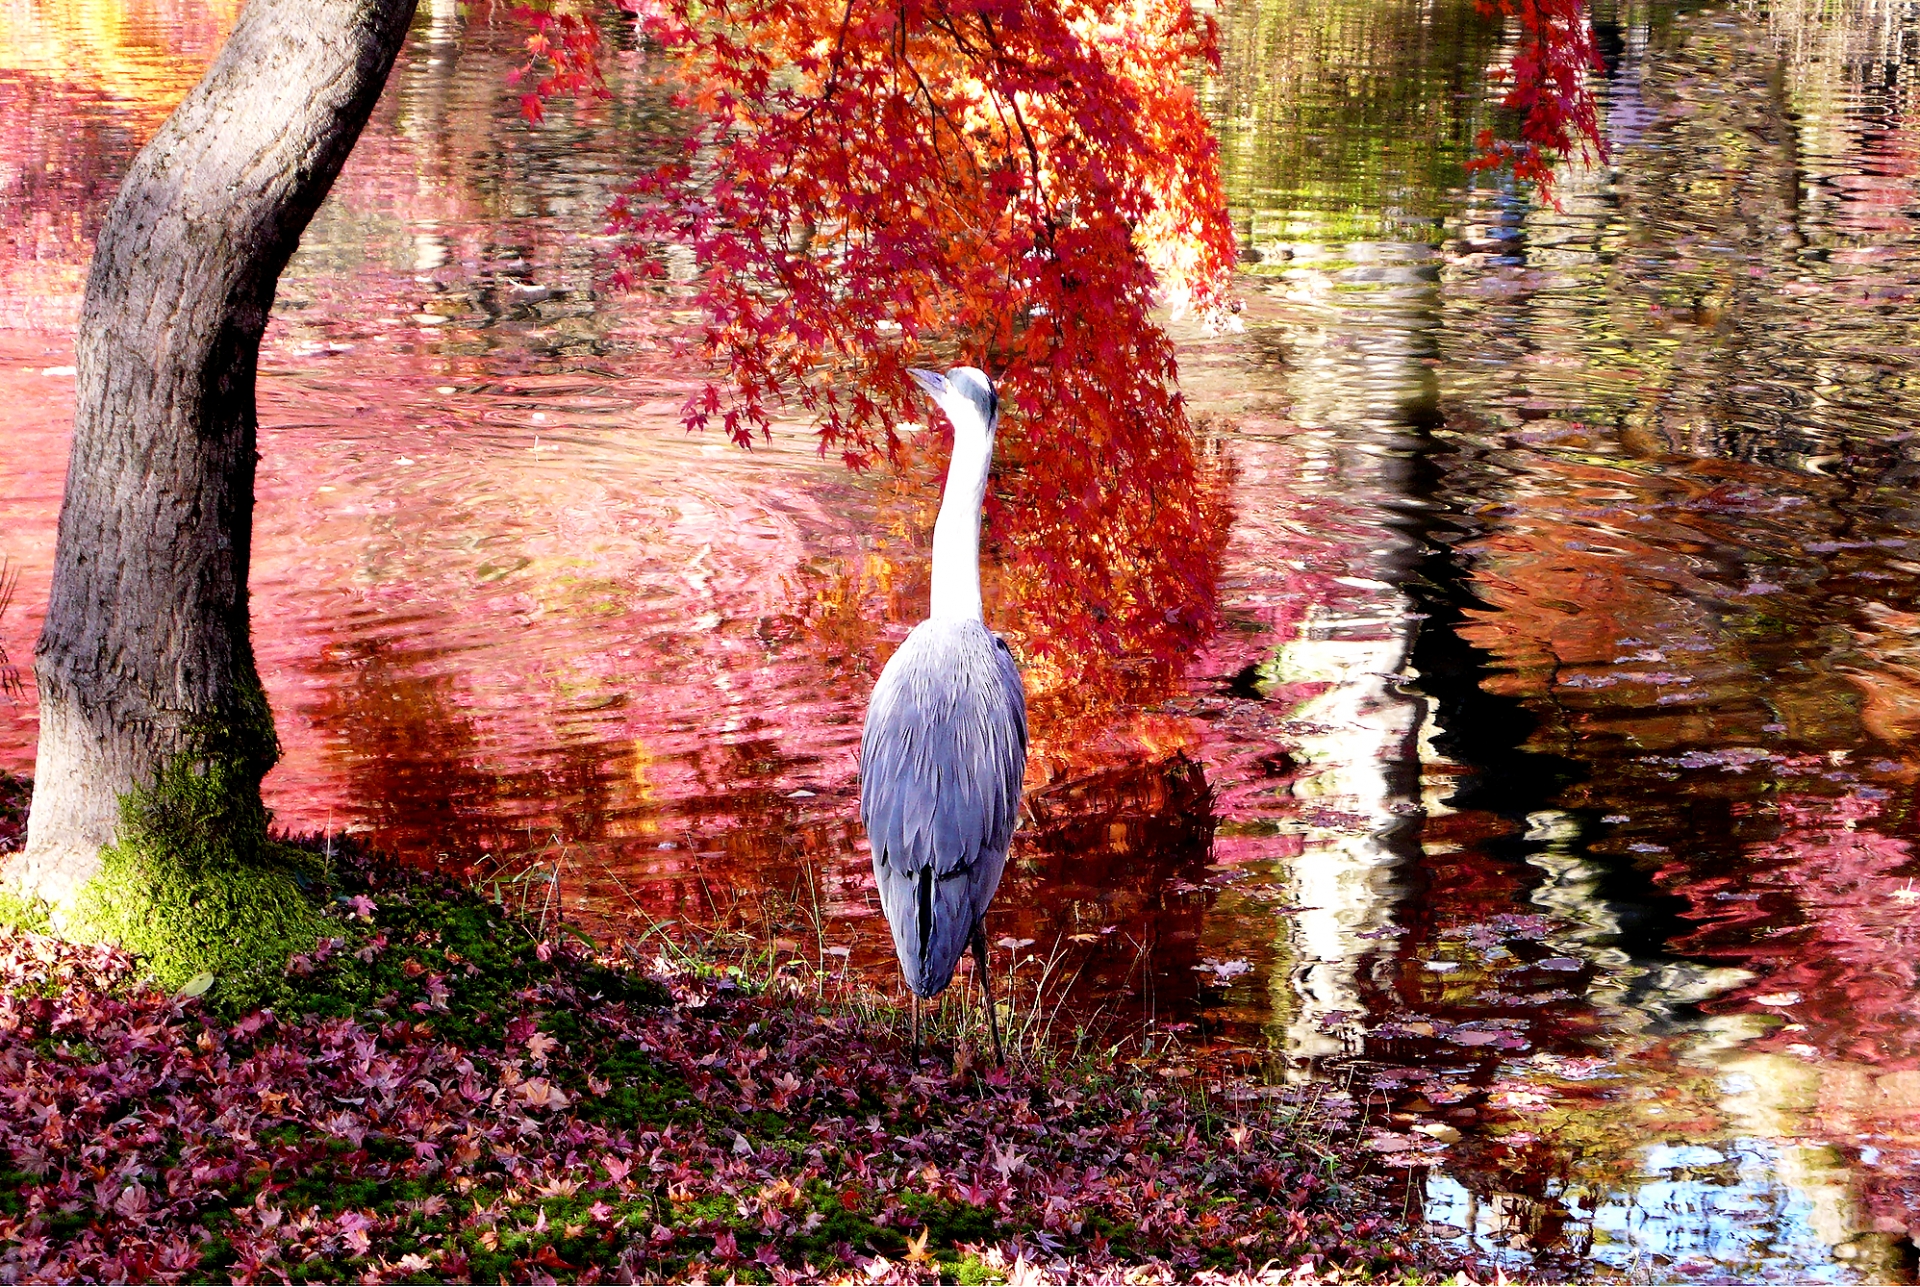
986,989
915,998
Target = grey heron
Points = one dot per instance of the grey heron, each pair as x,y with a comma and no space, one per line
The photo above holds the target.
945,745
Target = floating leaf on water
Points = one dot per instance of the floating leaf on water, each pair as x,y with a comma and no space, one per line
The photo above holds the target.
1574,1068
503,567
1439,1131
1224,971
1778,998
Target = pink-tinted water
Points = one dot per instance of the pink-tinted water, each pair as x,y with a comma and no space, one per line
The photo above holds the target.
510,615
1553,771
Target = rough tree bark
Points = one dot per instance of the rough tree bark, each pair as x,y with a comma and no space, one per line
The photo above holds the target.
145,666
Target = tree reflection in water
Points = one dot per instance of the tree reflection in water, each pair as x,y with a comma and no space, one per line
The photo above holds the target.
1671,458
1645,854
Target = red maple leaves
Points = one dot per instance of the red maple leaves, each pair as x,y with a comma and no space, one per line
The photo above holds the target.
567,42
1006,181
996,182
1012,184
1549,87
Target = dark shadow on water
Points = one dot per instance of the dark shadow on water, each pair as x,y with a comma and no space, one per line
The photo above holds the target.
1112,869
1485,732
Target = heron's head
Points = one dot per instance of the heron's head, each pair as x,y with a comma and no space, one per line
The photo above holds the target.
966,395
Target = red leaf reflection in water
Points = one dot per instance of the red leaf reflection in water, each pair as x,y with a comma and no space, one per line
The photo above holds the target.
39,428
1840,931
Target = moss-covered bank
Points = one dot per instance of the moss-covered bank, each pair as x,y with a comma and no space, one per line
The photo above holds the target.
194,883
432,1093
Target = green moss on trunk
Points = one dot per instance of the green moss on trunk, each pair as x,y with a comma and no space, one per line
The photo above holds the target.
194,884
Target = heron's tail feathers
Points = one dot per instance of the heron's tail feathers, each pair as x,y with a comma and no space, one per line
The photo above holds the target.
932,916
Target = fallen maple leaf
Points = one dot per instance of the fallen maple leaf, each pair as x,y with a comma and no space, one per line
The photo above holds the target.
538,1092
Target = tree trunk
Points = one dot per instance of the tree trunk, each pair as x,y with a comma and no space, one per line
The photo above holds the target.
145,666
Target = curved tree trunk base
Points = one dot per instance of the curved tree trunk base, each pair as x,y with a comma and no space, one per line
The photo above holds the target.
187,875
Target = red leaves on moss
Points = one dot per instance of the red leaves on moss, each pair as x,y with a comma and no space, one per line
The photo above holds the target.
596,1135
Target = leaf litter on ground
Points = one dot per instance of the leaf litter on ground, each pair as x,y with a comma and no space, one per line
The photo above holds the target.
435,1094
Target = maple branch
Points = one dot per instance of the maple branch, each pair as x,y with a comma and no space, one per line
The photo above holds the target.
834,64
1033,150
838,59
936,113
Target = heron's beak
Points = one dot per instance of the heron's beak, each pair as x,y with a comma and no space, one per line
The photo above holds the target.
932,381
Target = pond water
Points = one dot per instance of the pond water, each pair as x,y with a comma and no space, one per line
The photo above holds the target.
1552,779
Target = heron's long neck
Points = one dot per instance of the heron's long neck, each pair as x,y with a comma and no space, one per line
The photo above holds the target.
956,534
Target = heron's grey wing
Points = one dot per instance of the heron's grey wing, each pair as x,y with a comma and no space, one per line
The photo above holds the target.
1009,757
944,751
941,764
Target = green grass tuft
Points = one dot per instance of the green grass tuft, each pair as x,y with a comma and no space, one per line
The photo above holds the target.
19,912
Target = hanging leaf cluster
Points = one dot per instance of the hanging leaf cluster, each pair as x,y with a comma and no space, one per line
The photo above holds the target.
566,42
1548,85
1008,184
